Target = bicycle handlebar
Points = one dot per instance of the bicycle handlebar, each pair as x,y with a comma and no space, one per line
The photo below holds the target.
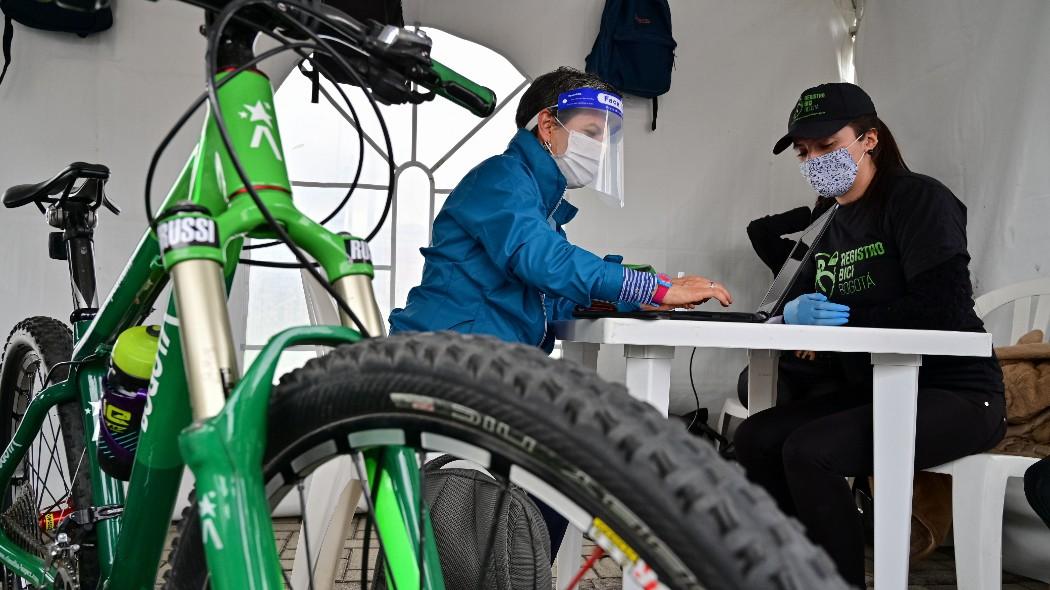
388,58
461,90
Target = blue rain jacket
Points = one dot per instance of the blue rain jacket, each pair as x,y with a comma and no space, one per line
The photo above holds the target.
499,262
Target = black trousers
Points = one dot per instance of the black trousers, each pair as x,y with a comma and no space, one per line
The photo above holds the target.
1037,488
802,452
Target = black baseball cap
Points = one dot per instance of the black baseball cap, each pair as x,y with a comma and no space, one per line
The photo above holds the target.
823,110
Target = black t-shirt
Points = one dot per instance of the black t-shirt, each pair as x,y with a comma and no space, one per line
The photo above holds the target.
881,256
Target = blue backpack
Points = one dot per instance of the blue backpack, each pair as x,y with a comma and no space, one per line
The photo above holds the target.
634,50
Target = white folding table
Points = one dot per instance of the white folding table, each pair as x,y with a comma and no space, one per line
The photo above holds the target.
896,355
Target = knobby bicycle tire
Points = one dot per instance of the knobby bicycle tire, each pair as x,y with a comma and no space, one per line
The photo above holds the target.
700,523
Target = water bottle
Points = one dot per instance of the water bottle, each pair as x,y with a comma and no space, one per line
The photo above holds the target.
124,397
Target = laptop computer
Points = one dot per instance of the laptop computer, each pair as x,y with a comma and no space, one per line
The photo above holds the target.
772,303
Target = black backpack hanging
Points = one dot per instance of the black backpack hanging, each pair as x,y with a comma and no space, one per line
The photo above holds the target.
80,17
634,50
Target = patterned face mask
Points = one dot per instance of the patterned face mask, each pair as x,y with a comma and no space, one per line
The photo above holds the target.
832,174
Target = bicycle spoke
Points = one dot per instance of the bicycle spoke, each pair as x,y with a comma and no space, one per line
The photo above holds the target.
58,451
52,455
364,550
80,463
35,466
596,554
422,504
56,504
68,493
306,535
50,463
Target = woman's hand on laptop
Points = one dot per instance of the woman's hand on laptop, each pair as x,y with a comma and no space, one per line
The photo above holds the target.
694,290
666,307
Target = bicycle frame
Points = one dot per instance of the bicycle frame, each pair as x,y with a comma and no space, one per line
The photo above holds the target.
199,412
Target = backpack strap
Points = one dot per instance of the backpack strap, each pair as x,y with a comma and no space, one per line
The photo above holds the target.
315,85
9,32
656,107
440,462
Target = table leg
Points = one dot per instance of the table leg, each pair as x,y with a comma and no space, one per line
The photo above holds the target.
896,384
762,370
570,554
582,353
649,374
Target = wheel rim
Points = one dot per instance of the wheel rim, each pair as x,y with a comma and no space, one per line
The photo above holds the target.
612,543
41,487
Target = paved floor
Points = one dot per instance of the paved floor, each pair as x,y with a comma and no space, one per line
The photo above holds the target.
934,573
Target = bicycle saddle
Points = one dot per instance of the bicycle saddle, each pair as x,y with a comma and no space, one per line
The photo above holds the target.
23,194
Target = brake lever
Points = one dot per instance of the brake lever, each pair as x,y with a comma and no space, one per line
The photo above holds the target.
400,45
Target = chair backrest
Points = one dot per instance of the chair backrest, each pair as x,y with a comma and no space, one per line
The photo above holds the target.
1024,296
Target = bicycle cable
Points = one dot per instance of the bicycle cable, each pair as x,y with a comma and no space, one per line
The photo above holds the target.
352,118
692,384
211,59
185,117
343,65
346,198
360,155
181,122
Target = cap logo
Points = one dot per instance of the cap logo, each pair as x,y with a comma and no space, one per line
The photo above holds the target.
808,106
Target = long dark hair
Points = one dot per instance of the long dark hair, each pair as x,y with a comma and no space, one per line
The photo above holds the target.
886,154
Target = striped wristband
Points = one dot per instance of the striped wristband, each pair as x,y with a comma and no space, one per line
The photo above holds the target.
638,287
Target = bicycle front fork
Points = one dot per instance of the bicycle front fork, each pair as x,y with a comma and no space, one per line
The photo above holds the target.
207,337
225,443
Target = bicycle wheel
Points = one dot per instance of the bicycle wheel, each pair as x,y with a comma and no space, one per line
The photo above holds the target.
53,477
691,517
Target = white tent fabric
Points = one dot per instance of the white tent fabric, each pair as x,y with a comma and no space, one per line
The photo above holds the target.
963,85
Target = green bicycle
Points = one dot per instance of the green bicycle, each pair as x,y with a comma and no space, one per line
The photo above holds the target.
662,503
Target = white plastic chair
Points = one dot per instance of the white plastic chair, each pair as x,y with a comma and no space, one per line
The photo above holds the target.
732,408
979,481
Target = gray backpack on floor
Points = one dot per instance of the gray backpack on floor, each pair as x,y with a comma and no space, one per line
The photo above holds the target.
463,504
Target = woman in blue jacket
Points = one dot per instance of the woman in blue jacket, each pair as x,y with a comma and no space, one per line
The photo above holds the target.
499,262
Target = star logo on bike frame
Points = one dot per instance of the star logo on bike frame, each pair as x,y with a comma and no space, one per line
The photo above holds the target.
257,112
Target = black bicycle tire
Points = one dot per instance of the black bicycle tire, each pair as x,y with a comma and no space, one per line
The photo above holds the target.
705,504
52,341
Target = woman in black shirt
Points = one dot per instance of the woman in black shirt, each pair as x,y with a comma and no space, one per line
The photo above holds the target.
894,256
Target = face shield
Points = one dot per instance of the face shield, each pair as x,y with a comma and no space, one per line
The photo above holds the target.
593,156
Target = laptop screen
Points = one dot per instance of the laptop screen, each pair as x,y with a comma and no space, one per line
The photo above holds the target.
800,254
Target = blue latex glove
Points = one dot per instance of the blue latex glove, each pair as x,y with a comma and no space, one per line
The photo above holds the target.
814,309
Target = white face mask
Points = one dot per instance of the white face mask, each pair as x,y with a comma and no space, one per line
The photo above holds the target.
581,160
